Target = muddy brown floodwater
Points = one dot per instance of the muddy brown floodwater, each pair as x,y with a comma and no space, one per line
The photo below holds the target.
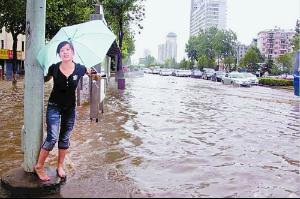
174,137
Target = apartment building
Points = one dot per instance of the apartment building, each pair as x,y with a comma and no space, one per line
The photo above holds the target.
275,42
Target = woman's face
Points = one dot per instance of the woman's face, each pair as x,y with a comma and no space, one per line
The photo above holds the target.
66,53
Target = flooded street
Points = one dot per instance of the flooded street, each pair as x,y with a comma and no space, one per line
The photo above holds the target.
174,137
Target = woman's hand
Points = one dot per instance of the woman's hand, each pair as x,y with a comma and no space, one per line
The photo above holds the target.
90,71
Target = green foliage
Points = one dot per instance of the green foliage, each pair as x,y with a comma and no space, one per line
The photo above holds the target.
211,44
205,62
296,39
296,42
149,60
286,62
185,64
13,16
275,82
252,58
120,15
65,13
170,63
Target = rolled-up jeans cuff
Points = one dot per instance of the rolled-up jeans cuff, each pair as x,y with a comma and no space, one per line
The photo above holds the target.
48,146
63,146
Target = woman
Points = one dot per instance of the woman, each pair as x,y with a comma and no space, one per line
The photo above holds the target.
61,107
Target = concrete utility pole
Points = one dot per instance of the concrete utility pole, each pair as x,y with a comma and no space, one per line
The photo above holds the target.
34,83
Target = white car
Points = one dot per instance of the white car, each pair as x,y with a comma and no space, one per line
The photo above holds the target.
252,78
183,73
236,79
166,72
147,70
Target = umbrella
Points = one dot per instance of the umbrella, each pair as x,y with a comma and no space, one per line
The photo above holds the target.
91,41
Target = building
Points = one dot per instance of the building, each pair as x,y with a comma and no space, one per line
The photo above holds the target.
241,51
206,14
6,53
275,42
169,49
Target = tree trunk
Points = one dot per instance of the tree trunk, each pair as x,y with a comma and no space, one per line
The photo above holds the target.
120,74
15,45
121,35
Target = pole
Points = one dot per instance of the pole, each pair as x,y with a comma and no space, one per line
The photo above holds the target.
34,83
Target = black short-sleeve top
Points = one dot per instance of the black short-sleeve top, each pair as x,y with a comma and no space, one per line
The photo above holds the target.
63,92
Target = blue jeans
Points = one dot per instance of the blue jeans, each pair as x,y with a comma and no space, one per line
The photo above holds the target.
59,117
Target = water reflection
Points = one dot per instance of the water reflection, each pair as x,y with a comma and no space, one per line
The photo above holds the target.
177,137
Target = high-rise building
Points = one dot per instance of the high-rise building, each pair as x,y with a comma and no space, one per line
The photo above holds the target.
206,14
171,46
169,49
275,42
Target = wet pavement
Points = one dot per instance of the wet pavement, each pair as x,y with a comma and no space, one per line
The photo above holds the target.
174,137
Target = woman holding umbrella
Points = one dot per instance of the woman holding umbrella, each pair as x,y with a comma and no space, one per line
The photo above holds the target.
61,111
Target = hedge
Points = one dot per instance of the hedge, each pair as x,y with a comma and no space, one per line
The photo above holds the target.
275,82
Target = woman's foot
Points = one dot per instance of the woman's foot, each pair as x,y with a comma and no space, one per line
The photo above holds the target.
61,173
40,172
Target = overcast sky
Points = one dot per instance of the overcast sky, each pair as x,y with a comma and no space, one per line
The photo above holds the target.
245,17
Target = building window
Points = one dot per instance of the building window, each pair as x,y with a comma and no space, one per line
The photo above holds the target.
2,44
23,46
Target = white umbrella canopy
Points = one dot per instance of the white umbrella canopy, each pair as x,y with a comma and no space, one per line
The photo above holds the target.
91,41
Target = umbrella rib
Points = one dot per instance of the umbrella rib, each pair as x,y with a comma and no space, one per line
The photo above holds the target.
65,32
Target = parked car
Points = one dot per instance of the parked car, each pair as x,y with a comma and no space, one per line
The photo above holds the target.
236,79
166,72
218,75
147,70
196,74
208,73
183,73
252,78
156,71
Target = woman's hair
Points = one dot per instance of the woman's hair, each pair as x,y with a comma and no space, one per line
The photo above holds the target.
62,44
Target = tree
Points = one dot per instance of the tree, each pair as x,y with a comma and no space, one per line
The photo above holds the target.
286,62
13,18
119,15
211,44
65,13
185,64
149,60
296,39
191,49
229,61
252,58
205,62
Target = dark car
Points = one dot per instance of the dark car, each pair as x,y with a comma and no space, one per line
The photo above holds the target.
218,75
208,73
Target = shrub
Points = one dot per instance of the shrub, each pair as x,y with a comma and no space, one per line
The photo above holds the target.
275,82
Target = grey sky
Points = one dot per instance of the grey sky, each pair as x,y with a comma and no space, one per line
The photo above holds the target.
245,17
